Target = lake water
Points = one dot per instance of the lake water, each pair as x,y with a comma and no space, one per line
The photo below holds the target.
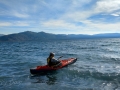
97,67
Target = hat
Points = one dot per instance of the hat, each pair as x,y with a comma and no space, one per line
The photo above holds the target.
52,53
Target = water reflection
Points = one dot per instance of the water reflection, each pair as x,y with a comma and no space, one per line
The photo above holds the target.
49,79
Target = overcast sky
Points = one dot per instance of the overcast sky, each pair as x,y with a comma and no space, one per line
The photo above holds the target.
60,16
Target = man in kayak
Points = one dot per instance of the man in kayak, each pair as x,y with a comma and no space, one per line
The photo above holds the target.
52,62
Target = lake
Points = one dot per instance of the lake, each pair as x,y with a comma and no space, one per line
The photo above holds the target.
97,67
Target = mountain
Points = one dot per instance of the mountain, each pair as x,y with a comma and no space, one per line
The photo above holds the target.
33,36
79,36
1,35
107,35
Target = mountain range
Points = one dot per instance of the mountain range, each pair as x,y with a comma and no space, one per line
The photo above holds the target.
34,36
1,35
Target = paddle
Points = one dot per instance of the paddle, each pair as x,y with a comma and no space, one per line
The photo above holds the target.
59,57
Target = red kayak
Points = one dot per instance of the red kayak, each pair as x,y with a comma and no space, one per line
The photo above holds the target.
46,68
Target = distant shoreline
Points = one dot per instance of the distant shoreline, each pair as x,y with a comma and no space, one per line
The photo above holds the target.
40,36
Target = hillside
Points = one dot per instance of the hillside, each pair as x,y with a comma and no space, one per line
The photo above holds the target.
108,35
33,36
1,35
30,36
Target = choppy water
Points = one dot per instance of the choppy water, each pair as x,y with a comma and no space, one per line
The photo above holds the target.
97,67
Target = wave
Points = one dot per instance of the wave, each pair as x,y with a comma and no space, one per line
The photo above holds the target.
87,47
95,75
109,58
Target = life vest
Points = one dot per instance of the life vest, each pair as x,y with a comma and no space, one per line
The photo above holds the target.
49,62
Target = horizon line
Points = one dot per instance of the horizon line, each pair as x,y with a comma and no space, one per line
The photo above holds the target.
59,33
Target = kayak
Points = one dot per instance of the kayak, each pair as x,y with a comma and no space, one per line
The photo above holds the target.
46,68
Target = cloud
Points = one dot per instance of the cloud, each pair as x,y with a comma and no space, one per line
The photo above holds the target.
101,27
20,15
89,27
17,23
100,11
107,6
20,23
14,8
74,16
115,14
3,24
58,24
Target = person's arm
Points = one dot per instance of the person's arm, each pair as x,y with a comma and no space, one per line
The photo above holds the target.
59,57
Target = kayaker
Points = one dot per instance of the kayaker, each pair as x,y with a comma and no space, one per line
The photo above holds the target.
51,61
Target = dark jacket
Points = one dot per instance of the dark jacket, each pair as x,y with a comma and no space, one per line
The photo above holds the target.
52,61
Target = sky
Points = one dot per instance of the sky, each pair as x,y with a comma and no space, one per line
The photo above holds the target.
60,16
